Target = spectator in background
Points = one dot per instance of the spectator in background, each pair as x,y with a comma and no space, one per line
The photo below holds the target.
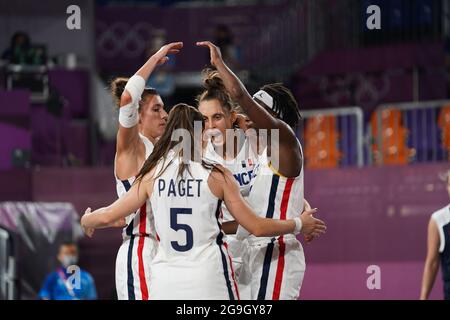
23,52
68,283
438,249
19,50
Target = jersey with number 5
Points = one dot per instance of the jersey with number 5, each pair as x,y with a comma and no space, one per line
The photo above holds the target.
192,261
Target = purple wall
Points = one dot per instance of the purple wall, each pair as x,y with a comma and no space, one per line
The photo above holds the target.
12,138
14,124
14,103
16,185
370,76
377,205
347,281
375,216
51,138
57,137
73,85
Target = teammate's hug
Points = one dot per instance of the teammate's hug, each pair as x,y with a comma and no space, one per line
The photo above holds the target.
211,197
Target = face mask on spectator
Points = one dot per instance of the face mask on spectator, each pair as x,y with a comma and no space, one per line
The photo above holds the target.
69,260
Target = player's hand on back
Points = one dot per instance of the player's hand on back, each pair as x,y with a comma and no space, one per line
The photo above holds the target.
308,238
311,227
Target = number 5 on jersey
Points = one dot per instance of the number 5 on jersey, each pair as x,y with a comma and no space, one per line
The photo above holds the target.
174,212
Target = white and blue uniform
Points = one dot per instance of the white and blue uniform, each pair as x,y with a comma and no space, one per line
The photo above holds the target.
277,265
241,167
442,220
138,247
192,261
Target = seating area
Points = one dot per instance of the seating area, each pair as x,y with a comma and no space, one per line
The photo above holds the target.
55,133
396,134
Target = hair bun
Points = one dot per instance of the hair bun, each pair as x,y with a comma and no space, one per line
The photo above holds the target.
212,80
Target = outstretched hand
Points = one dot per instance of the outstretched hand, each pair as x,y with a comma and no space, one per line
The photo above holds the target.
312,227
171,48
214,51
90,231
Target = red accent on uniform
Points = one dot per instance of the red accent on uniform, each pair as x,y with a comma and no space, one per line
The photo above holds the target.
232,271
282,246
143,283
280,269
285,199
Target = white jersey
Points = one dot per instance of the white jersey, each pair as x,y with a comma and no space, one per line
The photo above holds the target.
241,167
275,196
277,265
442,220
192,261
141,222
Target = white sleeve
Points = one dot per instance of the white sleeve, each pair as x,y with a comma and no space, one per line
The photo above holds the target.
441,218
128,114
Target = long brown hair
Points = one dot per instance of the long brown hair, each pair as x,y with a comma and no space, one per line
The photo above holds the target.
181,116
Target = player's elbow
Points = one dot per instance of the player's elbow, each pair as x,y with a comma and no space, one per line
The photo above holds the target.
433,262
258,232
257,229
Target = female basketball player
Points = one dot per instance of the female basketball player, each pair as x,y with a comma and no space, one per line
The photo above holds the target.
185,195
219,114
244,122
438,251
277,264
142,120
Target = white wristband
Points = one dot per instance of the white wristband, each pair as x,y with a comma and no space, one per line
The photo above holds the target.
135,86
298,225
128,115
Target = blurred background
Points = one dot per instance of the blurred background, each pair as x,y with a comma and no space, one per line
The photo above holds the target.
376,130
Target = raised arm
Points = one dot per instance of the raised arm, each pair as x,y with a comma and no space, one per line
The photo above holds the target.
432,260
128,135
258,114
